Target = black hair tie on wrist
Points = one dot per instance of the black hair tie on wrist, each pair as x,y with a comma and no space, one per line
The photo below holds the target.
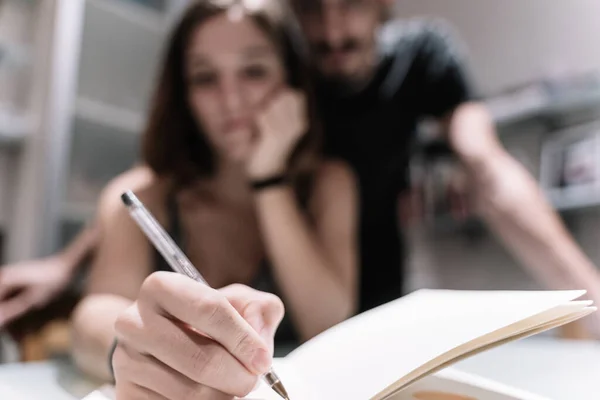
110,357
272,181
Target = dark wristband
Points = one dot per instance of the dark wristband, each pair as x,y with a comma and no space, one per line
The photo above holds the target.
278,180
110,357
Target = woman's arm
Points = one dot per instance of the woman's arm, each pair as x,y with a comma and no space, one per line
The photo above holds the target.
93,333
80,248
314,265
120,266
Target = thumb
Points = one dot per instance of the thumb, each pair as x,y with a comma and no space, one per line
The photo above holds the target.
263,311
265,316
253,314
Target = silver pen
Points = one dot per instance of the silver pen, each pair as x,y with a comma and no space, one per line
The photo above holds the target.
179,262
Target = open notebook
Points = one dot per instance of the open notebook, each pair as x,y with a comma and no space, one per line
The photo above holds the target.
400,350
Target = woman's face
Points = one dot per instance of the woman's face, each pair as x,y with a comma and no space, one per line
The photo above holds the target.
232,69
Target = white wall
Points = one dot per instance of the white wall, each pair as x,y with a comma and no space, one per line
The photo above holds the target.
512,41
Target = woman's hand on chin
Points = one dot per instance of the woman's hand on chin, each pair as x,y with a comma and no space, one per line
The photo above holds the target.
280,126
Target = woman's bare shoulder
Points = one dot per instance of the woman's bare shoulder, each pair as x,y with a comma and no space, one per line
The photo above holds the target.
149,188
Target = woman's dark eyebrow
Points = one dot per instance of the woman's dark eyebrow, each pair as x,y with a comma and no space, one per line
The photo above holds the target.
258,51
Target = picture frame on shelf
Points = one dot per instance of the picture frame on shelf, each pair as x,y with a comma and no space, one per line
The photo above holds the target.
570,167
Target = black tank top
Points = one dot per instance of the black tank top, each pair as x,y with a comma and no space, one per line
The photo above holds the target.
286,336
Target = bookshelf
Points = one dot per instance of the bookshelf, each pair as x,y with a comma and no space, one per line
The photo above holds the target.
18,23
94,63
13,54
14,129
528,122
121,44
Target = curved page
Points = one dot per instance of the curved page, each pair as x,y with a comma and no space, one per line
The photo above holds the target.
361,357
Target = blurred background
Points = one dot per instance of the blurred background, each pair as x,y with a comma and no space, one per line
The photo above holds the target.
74,88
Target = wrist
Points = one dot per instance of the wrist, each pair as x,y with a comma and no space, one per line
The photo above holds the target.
274,181
264,172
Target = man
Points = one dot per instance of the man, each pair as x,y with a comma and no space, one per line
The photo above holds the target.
375,81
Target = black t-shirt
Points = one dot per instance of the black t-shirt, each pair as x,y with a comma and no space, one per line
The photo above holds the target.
420,74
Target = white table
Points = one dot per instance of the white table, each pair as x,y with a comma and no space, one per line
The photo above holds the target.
559,370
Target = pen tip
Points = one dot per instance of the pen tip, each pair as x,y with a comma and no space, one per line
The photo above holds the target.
278,387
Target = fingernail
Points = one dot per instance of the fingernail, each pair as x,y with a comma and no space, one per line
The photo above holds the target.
261,361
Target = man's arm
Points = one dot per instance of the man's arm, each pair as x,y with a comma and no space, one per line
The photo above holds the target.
81,247
34,283
507,198
514,207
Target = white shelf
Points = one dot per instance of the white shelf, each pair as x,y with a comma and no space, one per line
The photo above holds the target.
568,201
136,14
108,115
568,205
121,49
539,106
12,53
14,129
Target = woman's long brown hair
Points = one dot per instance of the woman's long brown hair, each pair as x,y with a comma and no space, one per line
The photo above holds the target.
174,145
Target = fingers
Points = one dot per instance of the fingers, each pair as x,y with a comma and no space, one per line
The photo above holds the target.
207,311
263,311
184,340
286,109
145,374
191,355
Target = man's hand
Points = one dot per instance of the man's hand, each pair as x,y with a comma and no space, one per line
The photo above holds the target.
30,285
183,340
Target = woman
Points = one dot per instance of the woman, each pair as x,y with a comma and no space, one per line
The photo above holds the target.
232,143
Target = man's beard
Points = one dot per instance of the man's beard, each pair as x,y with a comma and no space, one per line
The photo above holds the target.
339,81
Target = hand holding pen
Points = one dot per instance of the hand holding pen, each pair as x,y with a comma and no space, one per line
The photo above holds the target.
182,339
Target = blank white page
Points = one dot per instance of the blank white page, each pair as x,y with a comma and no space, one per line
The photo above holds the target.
362,356
297,386
10,393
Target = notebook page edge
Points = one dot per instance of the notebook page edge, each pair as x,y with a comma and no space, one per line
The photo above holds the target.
435,366
565,297
311,353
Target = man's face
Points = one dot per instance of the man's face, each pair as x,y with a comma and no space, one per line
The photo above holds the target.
341,34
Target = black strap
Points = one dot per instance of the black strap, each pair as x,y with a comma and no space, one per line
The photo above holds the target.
110,357
277,180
